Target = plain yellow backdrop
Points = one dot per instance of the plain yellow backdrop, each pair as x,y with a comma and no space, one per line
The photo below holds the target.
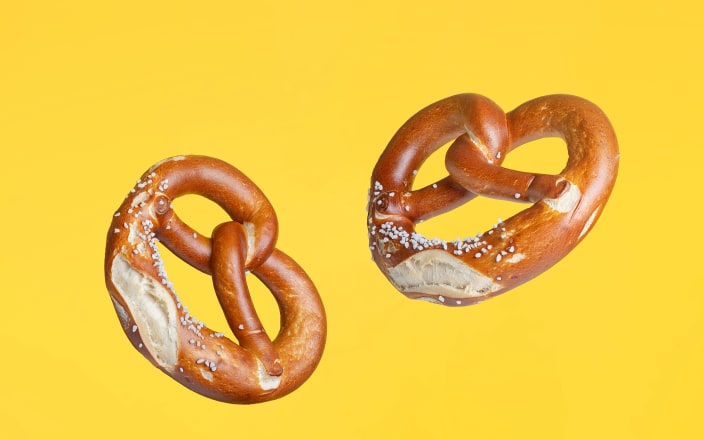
303,97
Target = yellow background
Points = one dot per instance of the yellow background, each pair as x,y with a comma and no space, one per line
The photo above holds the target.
303,97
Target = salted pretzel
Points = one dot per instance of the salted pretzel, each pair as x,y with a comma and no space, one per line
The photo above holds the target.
161,327
564,206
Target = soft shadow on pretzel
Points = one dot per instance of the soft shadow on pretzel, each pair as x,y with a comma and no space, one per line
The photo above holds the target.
161,327
565,206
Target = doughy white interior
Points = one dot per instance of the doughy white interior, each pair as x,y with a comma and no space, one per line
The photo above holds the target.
567,201
152,309
436,273
266,382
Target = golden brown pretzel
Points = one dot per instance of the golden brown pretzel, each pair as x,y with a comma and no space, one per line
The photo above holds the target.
565,207
161,327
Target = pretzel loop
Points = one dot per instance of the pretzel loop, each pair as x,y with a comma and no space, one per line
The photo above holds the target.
224,185
565,206
160,326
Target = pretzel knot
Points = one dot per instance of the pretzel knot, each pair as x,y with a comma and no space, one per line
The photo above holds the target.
564,206
161,327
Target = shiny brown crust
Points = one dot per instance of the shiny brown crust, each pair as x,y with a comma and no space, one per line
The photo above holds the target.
161,327
565,206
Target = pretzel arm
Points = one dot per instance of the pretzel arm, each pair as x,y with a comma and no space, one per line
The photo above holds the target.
437,198
227,265
186,243
468,165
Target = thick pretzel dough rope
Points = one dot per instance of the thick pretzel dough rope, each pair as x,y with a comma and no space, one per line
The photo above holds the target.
565,206
160,326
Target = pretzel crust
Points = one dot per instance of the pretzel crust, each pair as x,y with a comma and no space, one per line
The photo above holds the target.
564,207
161,327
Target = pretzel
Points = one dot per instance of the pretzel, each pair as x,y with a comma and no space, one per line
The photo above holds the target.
564,206
161,327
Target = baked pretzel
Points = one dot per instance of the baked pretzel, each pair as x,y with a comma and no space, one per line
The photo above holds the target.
564,206
161,327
